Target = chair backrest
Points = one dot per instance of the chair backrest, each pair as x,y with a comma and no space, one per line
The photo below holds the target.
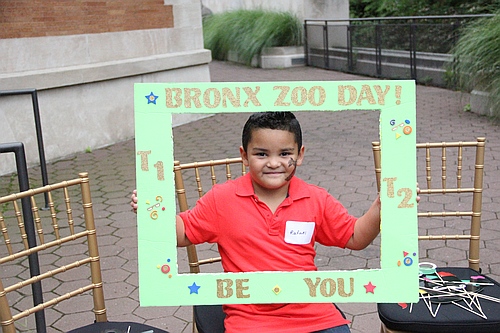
67,249
455,201
191,187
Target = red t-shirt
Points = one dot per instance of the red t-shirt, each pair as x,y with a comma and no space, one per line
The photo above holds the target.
251,238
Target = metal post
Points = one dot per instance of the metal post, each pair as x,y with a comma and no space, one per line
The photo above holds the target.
350,65
378,50
22,174
456,35
38,129
41,149
413,51
325,46
306,45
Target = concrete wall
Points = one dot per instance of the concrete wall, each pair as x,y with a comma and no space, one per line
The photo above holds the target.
85,78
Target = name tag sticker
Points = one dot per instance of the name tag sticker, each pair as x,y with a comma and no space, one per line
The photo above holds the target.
299,232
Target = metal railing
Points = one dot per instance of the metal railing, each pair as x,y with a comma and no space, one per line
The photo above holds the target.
38,129
410,47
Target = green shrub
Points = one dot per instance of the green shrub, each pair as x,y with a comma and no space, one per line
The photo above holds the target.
249,31
476,62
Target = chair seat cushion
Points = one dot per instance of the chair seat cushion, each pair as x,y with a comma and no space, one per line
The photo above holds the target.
209,318
117,327
448,316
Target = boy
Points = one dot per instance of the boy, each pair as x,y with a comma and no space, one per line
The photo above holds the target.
259,211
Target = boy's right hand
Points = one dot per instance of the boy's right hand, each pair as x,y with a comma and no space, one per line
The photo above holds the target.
133,201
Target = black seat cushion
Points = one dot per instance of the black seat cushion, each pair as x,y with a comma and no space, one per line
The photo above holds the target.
117,327
209,318
449,317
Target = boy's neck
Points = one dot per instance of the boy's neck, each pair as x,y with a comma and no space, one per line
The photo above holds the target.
272,198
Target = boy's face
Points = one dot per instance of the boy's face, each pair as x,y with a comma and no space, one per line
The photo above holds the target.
272,156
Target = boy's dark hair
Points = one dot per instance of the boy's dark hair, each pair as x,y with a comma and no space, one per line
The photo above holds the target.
284,120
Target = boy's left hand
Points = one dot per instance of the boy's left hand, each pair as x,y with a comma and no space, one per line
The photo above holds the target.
418,192
133,201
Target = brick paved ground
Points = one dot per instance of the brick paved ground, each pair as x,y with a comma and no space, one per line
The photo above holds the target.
338,157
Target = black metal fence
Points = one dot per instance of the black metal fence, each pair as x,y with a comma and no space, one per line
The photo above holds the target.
415,47
38,129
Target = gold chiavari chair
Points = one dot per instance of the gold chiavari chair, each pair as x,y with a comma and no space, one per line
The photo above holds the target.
192,180
454,296
66,261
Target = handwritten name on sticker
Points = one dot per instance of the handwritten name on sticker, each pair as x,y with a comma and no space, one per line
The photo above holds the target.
299,232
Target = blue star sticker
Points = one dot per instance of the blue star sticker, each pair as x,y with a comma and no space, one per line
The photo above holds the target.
193,289
151,98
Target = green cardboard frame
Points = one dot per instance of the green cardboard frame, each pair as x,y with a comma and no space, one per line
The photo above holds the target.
160,283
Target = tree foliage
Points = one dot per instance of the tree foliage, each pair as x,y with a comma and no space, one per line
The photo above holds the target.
385,8
477,59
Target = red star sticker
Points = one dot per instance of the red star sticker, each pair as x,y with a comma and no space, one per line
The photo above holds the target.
370,288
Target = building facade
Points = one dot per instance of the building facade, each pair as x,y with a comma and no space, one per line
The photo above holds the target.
83,58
